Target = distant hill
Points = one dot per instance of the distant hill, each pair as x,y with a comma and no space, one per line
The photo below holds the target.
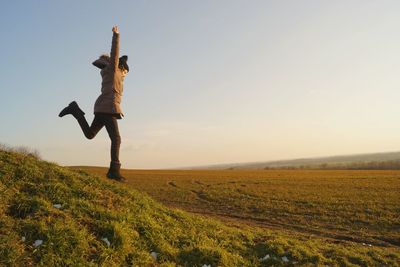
386,160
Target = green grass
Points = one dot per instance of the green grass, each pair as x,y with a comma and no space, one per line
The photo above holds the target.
93,208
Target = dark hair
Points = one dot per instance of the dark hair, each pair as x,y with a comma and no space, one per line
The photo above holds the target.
123,63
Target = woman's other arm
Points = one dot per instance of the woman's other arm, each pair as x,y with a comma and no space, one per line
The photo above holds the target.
114,55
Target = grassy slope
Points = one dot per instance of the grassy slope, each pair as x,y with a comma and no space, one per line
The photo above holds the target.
94,208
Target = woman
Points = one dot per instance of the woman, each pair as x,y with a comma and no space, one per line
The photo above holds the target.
107,108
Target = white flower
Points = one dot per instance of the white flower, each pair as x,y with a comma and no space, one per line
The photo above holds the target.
285,259
266,257
23,239
57,206
154,255
105,240
37,243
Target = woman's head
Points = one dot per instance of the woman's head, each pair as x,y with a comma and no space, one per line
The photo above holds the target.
105,59
123,63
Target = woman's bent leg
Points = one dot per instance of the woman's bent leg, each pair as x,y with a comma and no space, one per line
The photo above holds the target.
90,132
79,115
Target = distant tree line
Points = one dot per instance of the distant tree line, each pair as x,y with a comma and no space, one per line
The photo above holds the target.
371,165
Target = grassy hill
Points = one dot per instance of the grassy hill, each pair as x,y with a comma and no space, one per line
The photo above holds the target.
87,220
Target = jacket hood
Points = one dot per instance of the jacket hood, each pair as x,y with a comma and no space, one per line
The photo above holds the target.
101,63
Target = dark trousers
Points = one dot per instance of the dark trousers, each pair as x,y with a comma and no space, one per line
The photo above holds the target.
111,124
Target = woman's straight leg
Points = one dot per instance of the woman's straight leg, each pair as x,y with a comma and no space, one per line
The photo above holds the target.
111,124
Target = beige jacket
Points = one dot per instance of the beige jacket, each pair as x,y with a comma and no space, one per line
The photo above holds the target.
112,84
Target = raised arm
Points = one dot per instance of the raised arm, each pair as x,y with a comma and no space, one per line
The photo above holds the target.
115,48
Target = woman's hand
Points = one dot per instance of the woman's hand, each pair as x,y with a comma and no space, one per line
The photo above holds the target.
115,29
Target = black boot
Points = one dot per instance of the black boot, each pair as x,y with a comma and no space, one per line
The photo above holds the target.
114,172
72,109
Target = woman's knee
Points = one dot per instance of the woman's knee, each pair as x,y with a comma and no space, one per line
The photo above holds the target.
90,135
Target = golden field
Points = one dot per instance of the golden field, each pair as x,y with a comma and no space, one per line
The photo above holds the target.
337,205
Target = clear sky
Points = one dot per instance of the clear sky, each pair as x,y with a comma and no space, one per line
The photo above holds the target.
210,82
